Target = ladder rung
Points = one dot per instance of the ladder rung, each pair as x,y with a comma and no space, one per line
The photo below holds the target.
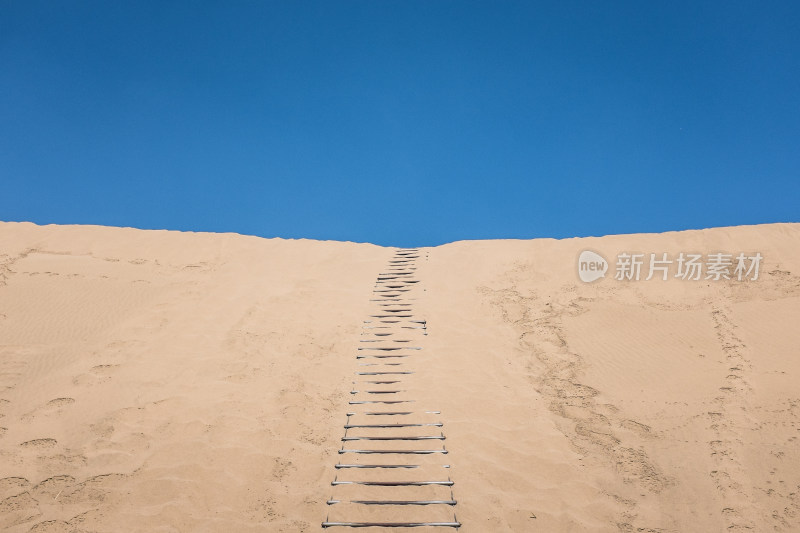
402,452
415,437
447,483
383,426
339,465
397,502
392,524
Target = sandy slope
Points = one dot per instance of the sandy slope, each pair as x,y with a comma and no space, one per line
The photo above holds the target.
164,381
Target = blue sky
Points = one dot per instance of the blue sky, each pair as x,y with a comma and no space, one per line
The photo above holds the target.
400,123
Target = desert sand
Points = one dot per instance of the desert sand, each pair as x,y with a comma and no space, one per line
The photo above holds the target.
155,381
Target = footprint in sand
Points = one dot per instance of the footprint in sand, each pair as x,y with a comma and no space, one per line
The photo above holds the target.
60,402
52,487
640,429
103,370
53,407
12,485
96,375
39,443
104,428
18,509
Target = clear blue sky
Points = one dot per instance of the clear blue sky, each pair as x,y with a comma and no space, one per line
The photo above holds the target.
400,123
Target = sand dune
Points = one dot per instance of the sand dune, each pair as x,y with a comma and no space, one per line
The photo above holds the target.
157,381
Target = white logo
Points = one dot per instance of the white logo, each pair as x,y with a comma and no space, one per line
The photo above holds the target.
591,266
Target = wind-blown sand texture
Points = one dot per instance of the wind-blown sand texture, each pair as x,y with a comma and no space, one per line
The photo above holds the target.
157,381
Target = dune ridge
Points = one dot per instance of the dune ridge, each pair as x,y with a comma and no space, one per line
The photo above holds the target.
167,381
